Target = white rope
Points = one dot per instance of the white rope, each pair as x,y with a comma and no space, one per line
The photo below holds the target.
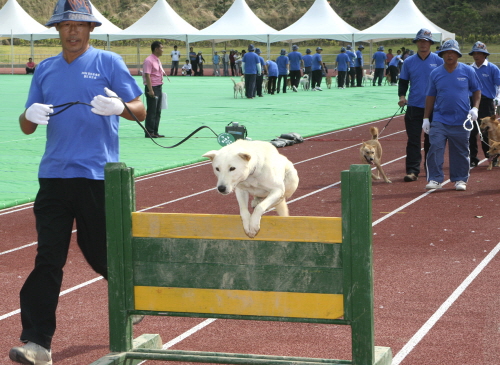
469,119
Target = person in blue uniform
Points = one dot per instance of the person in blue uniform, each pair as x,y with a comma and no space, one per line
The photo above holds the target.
283,70
342,65
359,66
378,59
351,72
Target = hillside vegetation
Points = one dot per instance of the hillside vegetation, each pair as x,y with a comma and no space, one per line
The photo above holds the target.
465,18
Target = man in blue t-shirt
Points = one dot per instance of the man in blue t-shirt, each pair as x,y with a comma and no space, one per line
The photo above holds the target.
317,69
358,64
351,72
394,69
342,65
296,64
379,58
260,78
489,74
447,98
283,70
272,75
307,59
415,75
250,67
79,143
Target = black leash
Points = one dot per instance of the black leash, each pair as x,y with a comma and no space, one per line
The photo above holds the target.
397,112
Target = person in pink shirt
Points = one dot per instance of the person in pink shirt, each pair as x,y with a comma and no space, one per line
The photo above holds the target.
153,80
30,66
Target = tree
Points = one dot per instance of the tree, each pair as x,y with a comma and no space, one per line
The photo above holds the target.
464,19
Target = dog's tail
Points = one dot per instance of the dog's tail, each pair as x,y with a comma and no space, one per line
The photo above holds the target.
374,132
234,82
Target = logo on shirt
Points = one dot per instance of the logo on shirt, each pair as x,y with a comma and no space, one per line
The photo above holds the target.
461,78
434,65
90,75
486,75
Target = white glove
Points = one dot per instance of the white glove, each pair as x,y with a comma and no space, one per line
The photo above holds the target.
497,101
426,126
288,72
107,106
39,113
473,114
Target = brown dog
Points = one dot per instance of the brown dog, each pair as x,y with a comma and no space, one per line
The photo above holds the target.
328,80
492,126
371,153
493,153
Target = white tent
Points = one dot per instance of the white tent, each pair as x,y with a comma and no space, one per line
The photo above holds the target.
161,21
17,23
404,21
102,32
319,22
239,22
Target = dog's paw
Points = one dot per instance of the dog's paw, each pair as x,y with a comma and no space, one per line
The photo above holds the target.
388,181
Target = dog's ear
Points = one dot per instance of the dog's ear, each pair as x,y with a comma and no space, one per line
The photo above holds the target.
210,154
245,156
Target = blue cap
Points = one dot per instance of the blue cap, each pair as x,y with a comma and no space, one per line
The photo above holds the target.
295,47
348,47
308,50
479,47
450,45
257,50
361,46
342,49
424,34
251,47
76,11
283,52
381,48
319,49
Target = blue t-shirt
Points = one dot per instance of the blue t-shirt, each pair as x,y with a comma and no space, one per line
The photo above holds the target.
395,60
317,62
282,61
489,75
359,59
352,57
417,71
251,60
379,58
342,62
272,68
79,142
295,58
262,63
215,59
308,59
452,90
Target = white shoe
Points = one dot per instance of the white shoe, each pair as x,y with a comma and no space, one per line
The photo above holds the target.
461,185
294,88
318,88
433,185
31,353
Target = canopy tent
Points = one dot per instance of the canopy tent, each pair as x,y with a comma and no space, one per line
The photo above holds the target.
403,21
319,22
239,22
17,23
161,21
102,32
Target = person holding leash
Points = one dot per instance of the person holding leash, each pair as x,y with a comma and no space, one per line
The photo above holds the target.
79,143
447,98
296,64
358,64
415,75
379,58
251,68
283,70
489,74
307,60
317,68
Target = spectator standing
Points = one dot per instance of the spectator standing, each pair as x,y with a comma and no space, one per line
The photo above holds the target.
359,66
272,75
379,58
175,56
296,64
317,70
79,142
260,78
283,70
389,56
30,66
415,75
153,79
225,62
250,67
342,65
232,62
194,60
489,75
216,63
447,98
200,61
351,71
307,59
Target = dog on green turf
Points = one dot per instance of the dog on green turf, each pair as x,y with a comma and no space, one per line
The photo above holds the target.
371,153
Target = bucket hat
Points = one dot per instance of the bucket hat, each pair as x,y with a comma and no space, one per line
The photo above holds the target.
381,48
251,47
78,11
361,47
479,47
424,34
342,49
319,49
257,50
348,47
308,50
283,52
295,47
450,45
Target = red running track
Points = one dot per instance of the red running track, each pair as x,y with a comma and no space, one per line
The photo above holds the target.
435,264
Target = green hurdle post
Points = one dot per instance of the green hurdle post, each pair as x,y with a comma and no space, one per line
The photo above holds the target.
298,269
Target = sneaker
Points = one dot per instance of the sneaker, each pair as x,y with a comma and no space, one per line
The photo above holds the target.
318,88
460,185
313,89
31,353
433,185
410,177
294,88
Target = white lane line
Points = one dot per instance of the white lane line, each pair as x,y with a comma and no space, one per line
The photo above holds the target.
410,345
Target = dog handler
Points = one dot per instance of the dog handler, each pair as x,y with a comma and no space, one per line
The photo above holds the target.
251,69
415,75
448,97
489,74
79,142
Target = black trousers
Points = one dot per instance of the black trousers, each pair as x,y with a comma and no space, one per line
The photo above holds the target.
486,109
282,77
359,76
379,74
58,204
414,119
258,84
393,71
350,77
250,83
153,112
271,84
317,76
295,78
341,77
308,72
